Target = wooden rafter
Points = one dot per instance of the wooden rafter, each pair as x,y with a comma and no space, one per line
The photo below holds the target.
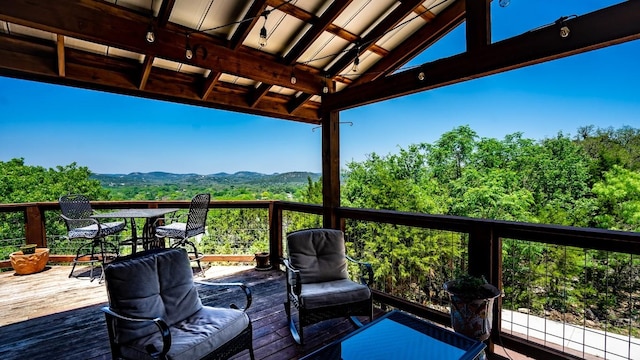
146,71
122,29
250,19
478,29
398,14
319,27
60,48
533,47
209,84
427,35
165,12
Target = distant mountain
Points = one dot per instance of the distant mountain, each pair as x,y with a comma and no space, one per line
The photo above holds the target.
239,178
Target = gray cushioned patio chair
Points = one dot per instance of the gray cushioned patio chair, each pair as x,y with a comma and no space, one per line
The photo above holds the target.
318,282
182,232
155,311
76,213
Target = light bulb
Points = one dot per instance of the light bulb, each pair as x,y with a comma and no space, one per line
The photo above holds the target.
505,3
262,41
564,31
421,75
293,79
188,53
356,62
151,37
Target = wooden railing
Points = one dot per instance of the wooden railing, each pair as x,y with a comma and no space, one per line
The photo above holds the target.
485,239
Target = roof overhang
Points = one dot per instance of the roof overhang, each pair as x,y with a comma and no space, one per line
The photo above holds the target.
102,45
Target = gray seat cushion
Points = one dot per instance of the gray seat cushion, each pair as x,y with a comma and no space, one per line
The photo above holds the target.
195,337
319,254
174,230
337,292
91,231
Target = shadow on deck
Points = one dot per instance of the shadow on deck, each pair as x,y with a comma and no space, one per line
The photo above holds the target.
50,316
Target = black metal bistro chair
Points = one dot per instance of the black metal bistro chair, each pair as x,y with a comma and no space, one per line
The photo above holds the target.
318,282
182,232
76,213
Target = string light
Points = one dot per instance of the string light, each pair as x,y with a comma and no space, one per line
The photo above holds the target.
356,61
151,36
325,87
564,29
293,78
188,51
262,41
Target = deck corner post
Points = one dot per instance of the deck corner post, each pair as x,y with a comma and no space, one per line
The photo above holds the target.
34,226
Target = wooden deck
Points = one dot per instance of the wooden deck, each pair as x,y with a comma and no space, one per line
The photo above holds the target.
50,316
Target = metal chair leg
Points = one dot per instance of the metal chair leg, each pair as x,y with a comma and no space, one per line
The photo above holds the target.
196,257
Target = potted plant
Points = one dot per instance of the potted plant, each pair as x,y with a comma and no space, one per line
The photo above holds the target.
472,305
28,249
262,261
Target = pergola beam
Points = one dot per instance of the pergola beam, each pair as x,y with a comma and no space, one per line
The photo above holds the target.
478,27
110,25
426,36
588,32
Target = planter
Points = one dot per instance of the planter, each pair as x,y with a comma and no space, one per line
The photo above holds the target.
25,264
472,317
262,261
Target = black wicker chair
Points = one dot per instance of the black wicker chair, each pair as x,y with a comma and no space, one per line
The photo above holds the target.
76,213
318,282
155,311
182,232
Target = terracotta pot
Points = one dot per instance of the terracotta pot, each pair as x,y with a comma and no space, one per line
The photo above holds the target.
25,264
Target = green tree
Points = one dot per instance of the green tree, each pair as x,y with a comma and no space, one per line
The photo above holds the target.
618,196
609,147
20,183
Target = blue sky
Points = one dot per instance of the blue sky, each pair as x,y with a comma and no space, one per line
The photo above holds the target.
51,125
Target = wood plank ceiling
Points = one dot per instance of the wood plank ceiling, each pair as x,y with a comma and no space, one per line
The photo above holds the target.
306,65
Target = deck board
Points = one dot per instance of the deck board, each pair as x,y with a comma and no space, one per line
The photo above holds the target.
51,316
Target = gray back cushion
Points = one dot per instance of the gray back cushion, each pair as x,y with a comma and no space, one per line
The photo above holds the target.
319,254
157,283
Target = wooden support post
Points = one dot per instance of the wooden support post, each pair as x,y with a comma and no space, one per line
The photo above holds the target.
275,234
331,168
484,252
478,27
34,226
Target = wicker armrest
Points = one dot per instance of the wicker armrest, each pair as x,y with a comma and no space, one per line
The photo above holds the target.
297,281
160,323
245,288
369,271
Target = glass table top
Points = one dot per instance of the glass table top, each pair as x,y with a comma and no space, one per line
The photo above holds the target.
400,336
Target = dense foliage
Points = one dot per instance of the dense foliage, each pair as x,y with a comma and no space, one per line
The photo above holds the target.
20,183
591,180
